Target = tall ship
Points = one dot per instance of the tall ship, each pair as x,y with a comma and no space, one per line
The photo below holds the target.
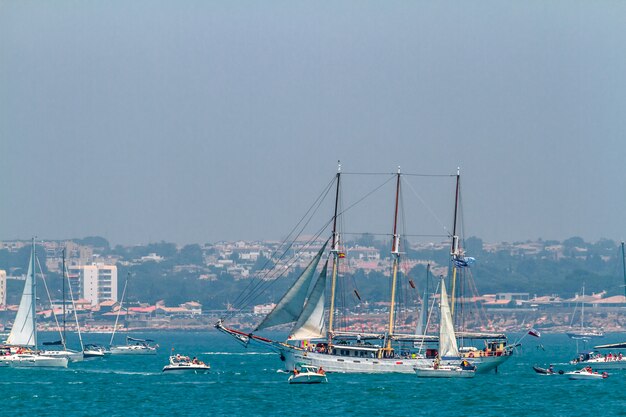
316,340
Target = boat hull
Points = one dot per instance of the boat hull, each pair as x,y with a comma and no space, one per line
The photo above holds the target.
171,369
444,372
602,365
132,350
584,336
584,375
308,378
485,364
33,361
71,355
343,364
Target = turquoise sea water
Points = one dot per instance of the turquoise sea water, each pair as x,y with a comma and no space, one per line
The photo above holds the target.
246,382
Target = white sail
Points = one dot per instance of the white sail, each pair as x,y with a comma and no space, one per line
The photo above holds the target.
291,305
447,338
23,331
310,324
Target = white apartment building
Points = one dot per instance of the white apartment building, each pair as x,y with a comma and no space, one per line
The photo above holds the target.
96,282
3,287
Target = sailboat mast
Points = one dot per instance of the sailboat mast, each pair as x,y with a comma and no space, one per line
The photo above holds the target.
34,292
454,251
582,309
624,267
119,310
63,279
395,253
335,251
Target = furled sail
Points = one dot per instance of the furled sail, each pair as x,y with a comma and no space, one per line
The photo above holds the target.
23,331
422,319
291,305
310,324
447,338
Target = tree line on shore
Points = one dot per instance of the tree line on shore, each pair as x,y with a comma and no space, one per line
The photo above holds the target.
545,271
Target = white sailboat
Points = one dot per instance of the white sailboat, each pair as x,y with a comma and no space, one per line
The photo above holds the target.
64,351
448,363
22,340
584,333
133,346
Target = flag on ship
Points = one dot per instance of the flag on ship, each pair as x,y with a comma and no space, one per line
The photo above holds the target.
534,332
463,262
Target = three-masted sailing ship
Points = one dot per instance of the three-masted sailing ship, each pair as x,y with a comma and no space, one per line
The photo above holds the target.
315,341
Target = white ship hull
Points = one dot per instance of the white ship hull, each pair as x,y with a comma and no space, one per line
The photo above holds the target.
27,360
133,350
488,363
71,355
184,369
602,365
347,364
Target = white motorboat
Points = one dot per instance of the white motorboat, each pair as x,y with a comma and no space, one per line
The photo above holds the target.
305,374
183,365
93,351
601,362
586,373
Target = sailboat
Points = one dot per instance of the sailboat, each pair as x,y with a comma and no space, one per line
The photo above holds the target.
357,352
63,351
584,333
133,346
448,363
22,341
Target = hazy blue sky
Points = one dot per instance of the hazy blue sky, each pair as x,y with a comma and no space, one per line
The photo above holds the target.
196,121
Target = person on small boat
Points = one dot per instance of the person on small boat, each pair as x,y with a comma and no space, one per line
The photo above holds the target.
321,371
588,369
551,369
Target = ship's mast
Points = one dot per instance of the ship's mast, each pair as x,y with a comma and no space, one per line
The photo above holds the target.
34,292
395,254
624,267
64,323
454,250
335,251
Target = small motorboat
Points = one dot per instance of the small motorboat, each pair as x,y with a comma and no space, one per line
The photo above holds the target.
306,374
586,373
547,371
93,351
183,365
